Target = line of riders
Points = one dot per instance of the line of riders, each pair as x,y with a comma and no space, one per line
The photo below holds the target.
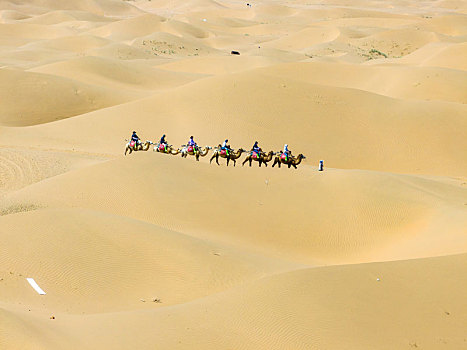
222,151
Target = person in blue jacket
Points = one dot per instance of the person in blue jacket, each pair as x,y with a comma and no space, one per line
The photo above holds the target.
191,142
256,149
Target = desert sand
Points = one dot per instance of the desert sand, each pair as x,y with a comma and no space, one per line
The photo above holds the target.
154,251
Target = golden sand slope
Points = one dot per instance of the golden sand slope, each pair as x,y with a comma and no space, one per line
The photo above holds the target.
415,303
349,128
291,214
155,251
62,98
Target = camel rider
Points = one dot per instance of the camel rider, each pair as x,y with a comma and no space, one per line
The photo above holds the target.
256,149
287,152
192,143
163,142
135,138
226,147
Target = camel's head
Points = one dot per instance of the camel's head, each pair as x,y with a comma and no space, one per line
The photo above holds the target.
241,150
301,156
270,153
208,147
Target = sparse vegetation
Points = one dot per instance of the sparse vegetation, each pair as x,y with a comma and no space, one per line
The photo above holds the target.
162,47
18,208
377,52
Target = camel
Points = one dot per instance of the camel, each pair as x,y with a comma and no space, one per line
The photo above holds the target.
290,161
197,152
168,150
232,156
138,147
261,159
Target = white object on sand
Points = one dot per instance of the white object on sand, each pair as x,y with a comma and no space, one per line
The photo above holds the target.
377,279
35,286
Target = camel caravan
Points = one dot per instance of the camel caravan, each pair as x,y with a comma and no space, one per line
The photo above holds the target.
224,151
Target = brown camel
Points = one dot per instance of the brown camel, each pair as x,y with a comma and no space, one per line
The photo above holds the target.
289,161
194,151
230,155
263,158
167,149
138,147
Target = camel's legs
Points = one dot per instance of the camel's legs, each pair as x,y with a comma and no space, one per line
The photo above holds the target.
210,160
246,160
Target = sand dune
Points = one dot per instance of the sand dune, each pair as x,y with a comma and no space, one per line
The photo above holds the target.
122,52
305,38
219,65
152,251
305,308
109,72
22,167
299,309
77,44
322,122
11,15
447,25
417,83
151,257
60,16
167,45
100,7
22,33
452,56
130,28
402,211
27,103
